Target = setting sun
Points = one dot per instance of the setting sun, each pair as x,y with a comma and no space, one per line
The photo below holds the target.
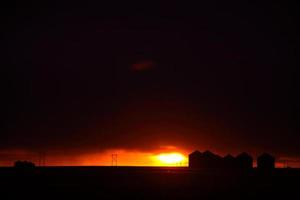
171,158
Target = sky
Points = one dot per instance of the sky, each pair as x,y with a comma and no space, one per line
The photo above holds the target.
83,81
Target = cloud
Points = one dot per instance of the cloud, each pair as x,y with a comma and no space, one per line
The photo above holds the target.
143,65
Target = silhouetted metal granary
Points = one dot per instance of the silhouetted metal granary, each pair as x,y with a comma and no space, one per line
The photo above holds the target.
265,161
195,159
211,160
206,159
244,161
229,161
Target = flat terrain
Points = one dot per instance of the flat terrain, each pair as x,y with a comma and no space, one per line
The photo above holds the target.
147,183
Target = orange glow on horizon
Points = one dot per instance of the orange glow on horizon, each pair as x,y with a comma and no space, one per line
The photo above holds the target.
136,158
160,157
163,156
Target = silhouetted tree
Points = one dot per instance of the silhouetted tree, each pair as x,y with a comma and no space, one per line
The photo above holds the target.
24,164
265,162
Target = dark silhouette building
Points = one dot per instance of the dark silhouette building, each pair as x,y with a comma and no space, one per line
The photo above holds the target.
206,159
195,159
211,160
265,162
229,161
244,161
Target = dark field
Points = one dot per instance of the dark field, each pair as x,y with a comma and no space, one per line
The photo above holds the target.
147,183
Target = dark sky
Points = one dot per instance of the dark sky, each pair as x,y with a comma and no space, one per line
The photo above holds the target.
85,77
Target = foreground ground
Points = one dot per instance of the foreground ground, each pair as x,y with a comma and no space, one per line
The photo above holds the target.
147,183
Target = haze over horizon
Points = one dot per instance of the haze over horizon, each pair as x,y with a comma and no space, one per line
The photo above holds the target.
82,81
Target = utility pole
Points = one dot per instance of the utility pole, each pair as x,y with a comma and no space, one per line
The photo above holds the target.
114,159
42,159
